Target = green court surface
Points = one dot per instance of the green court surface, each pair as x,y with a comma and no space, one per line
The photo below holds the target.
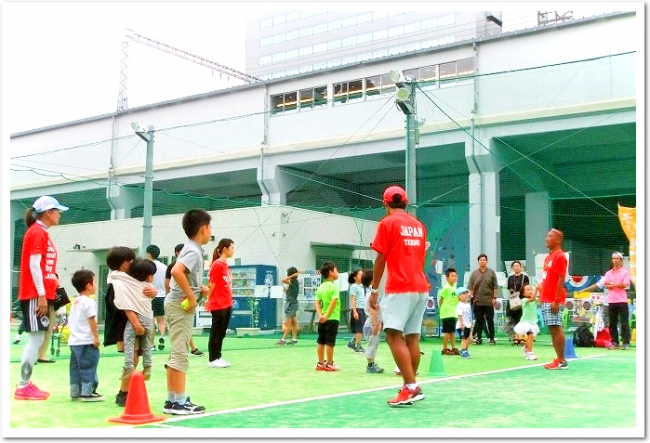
274,388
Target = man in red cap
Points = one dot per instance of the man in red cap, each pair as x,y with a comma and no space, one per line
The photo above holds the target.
400,246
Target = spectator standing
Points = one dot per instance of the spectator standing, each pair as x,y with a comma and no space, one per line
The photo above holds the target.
617,280
484,289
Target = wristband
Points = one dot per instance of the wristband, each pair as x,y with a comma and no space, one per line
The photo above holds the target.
374,291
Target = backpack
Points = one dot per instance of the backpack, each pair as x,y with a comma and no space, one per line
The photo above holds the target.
582,337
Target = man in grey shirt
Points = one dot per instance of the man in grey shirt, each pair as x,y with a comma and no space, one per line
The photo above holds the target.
483,289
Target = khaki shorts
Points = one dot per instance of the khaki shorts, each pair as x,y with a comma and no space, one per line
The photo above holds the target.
180,324
403,312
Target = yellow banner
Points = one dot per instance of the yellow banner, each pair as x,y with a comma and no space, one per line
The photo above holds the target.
627,217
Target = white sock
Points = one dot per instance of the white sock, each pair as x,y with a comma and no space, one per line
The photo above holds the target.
412,386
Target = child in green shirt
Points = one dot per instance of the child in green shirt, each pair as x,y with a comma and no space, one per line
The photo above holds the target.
328,310
447,301
528,323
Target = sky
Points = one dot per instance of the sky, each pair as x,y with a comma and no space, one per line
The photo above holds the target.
61,61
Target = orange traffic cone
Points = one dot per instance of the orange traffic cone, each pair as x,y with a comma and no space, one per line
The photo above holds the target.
137,410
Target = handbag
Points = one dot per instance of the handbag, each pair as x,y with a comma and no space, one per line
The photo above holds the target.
514,301
60,299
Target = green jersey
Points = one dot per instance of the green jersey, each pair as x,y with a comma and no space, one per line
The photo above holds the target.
325,293
530,310
449,301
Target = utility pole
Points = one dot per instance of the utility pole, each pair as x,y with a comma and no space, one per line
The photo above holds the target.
147,211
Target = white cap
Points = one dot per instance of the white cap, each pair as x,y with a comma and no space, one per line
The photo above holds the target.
46,203
617,255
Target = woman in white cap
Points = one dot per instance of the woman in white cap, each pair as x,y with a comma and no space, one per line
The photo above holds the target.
37,287
616,280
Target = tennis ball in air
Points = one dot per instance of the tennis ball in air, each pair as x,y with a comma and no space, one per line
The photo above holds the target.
185,304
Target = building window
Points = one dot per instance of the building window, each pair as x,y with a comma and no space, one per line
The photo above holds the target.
293,53
284,102
397,30
411,27
292,35
392,13
279,20
350,21
320,47
334,25
448,74
306,32
334,62
319,66
429,43
320,28
334,44
305,50
293,16
278,57
305,14
447,40
379,85
278,38
429,24
380,54
379,35
313,97
266,41
413,46
349,41
363,18
364,56
348,60
348,91
265,60
364,38
267,23
378,15
447,20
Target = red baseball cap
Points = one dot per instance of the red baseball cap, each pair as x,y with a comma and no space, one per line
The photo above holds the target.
391,191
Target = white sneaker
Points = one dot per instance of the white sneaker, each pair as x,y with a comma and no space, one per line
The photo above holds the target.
218,363
530,356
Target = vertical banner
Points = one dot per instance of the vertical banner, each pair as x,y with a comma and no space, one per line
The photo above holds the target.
627,217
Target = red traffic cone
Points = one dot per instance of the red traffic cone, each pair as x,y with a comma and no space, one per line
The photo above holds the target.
137,410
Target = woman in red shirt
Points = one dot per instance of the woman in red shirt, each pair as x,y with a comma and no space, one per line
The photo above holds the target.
220,301
37,287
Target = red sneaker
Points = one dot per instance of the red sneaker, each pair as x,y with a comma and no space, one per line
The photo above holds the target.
406,397
321,367
30,392
556,364
331,367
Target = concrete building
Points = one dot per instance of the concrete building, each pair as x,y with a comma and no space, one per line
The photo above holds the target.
295,42
537,130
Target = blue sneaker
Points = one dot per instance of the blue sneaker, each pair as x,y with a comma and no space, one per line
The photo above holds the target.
464,353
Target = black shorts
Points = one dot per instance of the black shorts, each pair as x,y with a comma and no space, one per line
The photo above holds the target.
357,325
464,333
158,306
31,321
327,332
448,325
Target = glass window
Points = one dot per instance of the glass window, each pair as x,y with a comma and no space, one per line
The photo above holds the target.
349,41
447,20
292,35
293,53
334,62
378,35
306,98
266,23
447,74
293,71
397,30
305,14
277,103
320,96
411,27
429,43
319,66
306,68
278,74
320,28
265,60
412,73
320,47
305,32
278,57
365,56
293,16
334,44
378,15
465,67
266,41
348,60
380,54
279,38
363,18
306,50
278,20
364,38
428,73
395,50
392,13
387,85
373,86
355,90
340,92
413,46
334,25
350,21
446,40
291,101
429,24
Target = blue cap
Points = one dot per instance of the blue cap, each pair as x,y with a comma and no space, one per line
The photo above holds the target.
461,290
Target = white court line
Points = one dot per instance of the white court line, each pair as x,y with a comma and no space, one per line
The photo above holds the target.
364,391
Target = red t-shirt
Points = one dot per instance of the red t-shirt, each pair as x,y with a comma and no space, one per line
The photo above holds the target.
221,278
555,266
37,241
401,237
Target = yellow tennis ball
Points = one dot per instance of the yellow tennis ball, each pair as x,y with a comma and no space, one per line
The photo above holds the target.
185,304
